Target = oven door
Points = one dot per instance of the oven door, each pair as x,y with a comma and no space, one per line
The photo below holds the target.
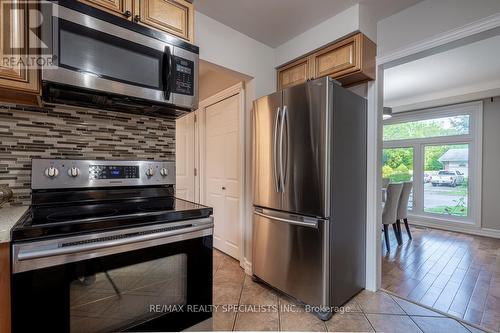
90,53
149,281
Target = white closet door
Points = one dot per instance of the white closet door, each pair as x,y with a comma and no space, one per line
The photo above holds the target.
223,179
185,157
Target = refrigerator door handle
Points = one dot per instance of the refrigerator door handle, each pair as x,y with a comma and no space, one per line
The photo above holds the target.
277,180
310,223
284,121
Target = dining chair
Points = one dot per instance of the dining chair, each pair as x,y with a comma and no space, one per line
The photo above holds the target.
403,208
385,182
390,211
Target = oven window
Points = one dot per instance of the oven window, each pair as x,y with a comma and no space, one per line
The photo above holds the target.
113,299
99,54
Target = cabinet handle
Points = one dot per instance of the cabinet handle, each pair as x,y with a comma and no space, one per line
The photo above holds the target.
127,13
137,18
223,188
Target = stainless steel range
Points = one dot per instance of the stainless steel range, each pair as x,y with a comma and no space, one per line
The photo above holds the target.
107,247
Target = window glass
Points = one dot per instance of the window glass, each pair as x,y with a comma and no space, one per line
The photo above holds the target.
446,189
446,126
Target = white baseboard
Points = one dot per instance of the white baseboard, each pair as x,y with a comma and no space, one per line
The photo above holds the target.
247,266
458,228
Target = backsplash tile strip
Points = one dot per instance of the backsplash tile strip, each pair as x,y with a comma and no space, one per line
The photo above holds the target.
63,131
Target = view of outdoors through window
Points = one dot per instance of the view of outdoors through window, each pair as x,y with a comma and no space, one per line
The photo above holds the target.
457,125
398,167
447,182
443,168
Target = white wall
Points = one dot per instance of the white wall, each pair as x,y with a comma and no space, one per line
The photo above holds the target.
326,32
491,164
427,19
226,47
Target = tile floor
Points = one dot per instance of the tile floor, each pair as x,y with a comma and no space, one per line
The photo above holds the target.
454,273
262,309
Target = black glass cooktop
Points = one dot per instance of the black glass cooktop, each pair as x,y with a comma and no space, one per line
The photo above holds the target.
58,220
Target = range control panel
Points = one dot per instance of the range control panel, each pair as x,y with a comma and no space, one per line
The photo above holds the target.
53,174
113,172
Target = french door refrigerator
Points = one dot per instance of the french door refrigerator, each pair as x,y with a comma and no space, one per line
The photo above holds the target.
309,173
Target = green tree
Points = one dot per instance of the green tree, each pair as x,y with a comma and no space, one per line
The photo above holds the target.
427,128
387,171
394,157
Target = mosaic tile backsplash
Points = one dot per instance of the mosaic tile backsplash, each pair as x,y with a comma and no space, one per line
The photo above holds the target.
75,133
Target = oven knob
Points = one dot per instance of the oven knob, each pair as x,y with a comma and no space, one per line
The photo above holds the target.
73,172
164,172
51,172
150,172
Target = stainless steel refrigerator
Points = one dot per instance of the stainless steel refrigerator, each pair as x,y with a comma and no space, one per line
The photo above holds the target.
309,222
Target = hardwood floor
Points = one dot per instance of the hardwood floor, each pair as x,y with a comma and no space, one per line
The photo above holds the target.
455,273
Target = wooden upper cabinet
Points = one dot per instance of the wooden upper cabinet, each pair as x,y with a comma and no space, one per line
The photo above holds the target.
18,83
175,17
338,59
121,8
350,61
294,73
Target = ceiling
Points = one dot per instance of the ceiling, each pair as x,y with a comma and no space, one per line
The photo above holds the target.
274,22
457,72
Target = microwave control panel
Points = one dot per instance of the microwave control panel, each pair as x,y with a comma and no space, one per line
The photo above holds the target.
183,76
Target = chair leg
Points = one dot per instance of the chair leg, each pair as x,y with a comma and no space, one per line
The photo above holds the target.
407,228
396,233
398,224
386,236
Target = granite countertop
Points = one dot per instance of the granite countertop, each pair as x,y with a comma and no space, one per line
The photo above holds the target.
9,215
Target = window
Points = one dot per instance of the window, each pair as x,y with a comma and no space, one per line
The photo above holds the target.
446,126
439,150
446,193
398,167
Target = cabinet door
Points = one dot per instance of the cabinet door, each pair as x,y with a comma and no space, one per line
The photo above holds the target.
5,287
172,16
15,78
122,8
295,73
338,59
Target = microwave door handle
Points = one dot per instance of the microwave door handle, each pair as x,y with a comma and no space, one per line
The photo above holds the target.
167,73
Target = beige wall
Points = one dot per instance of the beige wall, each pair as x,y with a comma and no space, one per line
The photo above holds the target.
214,79
491,164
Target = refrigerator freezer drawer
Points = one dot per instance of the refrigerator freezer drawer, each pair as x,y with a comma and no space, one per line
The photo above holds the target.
290,255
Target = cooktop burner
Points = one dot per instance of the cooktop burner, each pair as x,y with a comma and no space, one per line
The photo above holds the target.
80,214
57,220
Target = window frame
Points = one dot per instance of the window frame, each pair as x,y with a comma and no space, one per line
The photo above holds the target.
475,141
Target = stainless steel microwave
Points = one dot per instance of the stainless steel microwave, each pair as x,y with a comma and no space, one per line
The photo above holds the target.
103,61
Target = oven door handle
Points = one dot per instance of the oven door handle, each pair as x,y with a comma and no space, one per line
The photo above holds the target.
77,249
167,73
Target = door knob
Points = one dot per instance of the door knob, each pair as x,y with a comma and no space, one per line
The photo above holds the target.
127,13
137,18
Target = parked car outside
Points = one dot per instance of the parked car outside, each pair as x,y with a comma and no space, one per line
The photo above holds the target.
427,178
448,178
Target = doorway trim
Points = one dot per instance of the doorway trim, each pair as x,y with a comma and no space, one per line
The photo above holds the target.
466,34
237,89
